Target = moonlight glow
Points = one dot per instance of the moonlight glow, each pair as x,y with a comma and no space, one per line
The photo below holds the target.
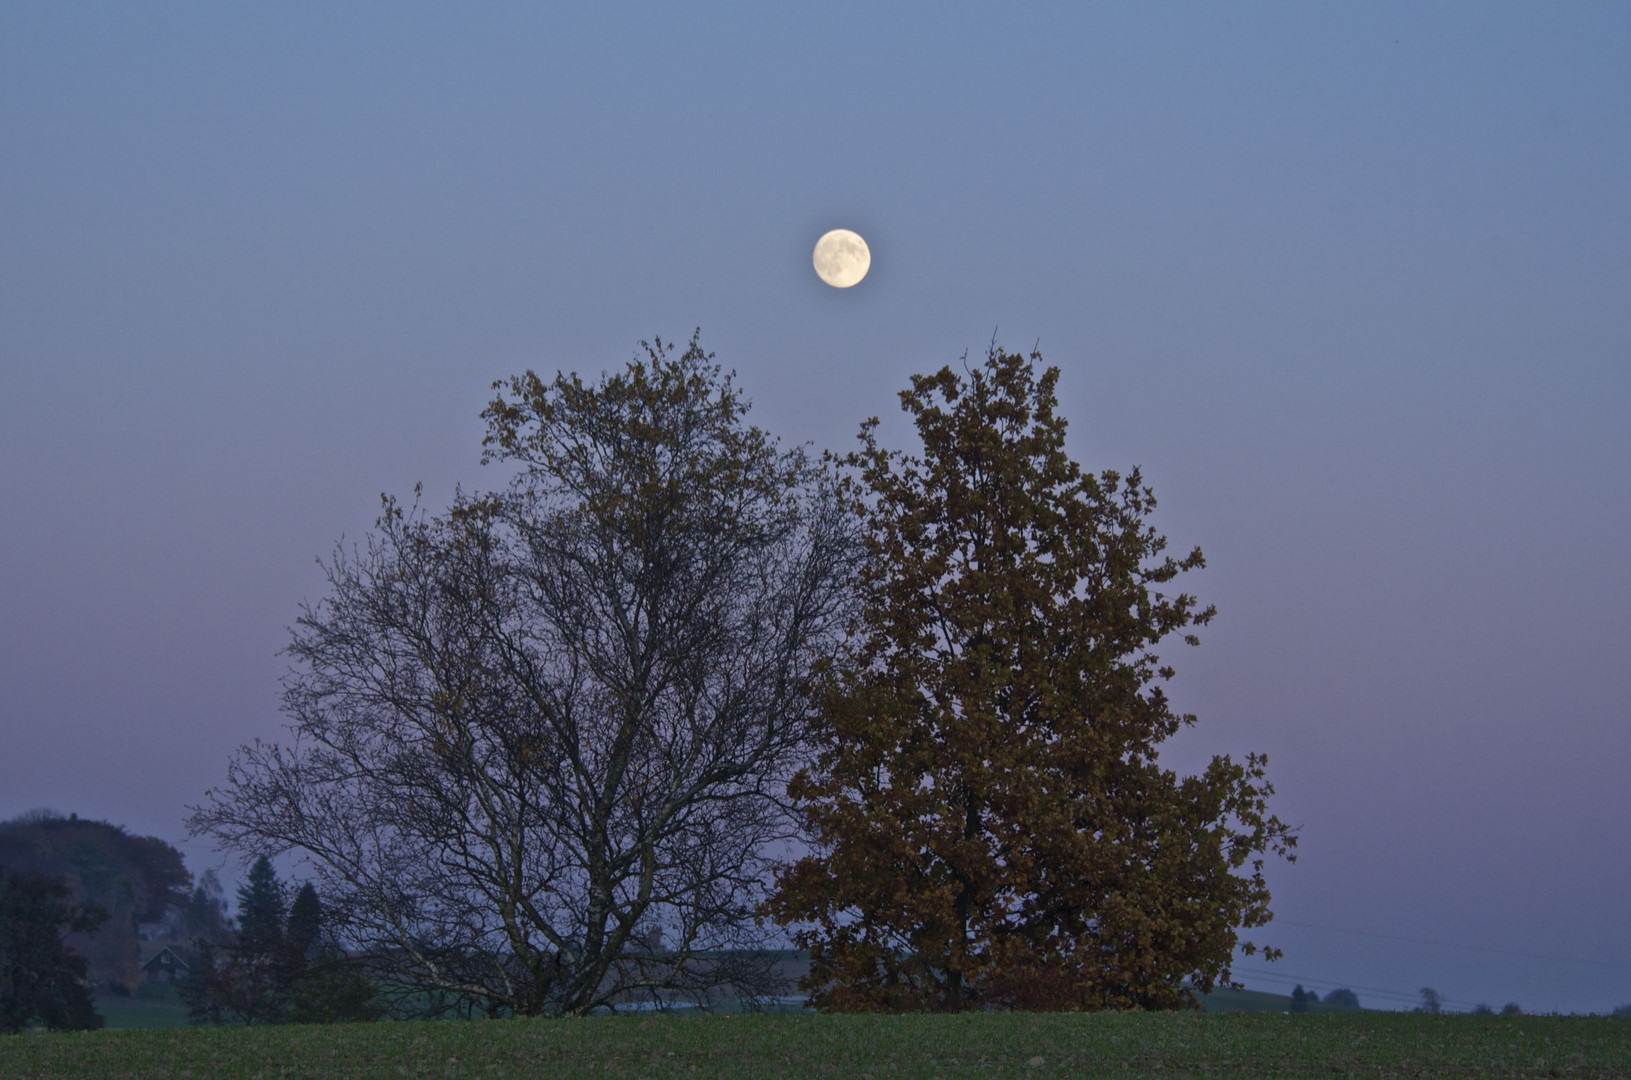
842,258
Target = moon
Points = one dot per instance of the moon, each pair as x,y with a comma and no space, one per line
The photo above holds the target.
842,258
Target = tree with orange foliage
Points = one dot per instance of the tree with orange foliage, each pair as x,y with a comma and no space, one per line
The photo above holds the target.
990,827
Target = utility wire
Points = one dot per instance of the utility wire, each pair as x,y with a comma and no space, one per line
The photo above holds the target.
1452,945
1374,991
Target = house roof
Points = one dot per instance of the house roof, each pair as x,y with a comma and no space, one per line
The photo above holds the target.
150,951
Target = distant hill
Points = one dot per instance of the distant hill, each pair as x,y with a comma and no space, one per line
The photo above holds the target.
133,879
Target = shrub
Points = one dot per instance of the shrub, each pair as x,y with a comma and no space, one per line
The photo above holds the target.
1342,998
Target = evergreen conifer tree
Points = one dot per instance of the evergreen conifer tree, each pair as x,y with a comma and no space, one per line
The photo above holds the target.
305,922
277,968
246,981
261,908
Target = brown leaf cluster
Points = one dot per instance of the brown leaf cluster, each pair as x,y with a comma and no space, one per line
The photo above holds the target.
991,827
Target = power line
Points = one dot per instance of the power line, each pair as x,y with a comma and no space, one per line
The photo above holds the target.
1374,991
1453,945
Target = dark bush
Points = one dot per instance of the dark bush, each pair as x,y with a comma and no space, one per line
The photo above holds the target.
42,981
1342,998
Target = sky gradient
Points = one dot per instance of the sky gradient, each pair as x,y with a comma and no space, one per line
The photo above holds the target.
1351,284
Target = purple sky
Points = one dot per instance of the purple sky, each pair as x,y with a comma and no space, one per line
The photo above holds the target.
1352,284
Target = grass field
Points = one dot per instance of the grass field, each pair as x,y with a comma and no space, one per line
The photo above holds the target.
136,1012
161,1007
1218,1047
158,1005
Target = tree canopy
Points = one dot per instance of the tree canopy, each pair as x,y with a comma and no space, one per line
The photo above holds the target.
132,879
278,966
41,979
556,723
204,918
1342,998
990,826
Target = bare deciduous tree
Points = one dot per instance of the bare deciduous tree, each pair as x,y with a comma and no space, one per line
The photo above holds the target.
534,730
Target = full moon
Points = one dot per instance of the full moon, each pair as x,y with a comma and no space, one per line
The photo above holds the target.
842,258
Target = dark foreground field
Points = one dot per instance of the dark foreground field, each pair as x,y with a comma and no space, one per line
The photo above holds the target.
979,1045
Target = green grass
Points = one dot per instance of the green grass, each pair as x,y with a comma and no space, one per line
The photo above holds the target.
1226,1000
1219,1047
160,1006
135,1012
150,1007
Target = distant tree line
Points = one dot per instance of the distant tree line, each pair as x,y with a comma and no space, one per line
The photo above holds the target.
78,898
279,966
59,945
1341,998
131,879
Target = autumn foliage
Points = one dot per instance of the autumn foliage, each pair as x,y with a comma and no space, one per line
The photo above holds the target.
990,825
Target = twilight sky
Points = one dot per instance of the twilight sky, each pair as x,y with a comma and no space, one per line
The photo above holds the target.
1352,284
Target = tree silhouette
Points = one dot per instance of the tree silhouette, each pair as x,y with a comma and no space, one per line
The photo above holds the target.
1342,998
305,922
325,984
261,908
560,718
277,968
245,980
41,979
990,824
204,918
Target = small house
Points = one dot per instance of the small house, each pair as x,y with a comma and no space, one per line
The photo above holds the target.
163,961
